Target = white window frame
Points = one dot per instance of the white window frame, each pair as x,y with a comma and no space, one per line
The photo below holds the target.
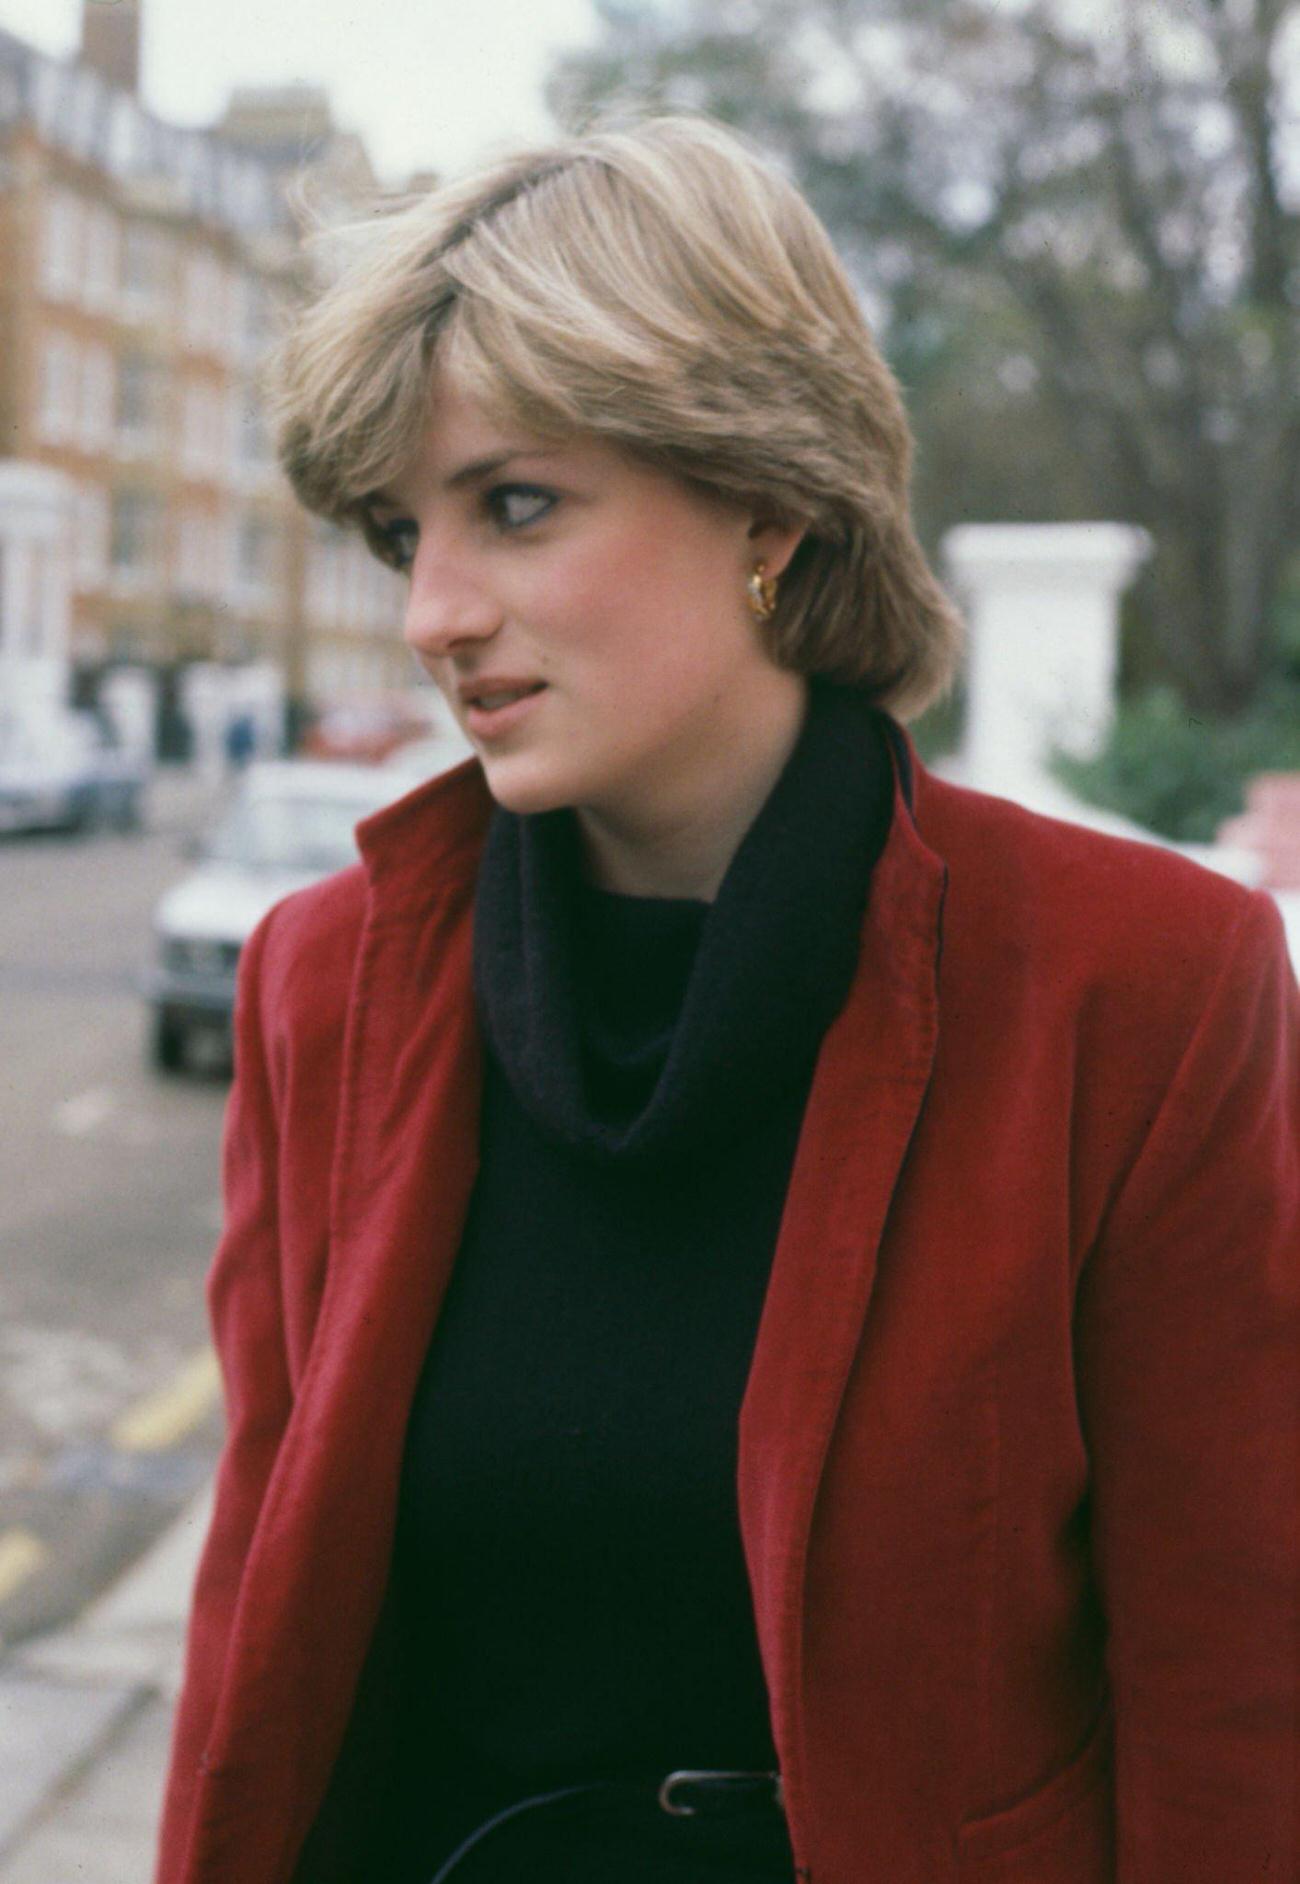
62,243
103,240
57,415
98,392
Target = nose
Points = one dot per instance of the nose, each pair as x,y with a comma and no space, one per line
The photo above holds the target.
447,604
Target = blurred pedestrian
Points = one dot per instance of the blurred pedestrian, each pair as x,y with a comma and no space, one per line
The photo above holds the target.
241,739
758,1297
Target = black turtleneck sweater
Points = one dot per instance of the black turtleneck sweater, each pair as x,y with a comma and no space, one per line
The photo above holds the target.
569,1567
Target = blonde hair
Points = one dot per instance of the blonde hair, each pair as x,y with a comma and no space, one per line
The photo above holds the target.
663,289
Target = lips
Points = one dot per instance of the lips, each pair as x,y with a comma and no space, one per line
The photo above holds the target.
502,697
497,691
491,710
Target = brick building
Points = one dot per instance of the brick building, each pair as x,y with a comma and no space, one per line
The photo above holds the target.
142,267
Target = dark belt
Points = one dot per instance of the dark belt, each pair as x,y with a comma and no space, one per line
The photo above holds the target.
686,1794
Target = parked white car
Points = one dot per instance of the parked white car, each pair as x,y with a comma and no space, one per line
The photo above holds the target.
66,771
288,823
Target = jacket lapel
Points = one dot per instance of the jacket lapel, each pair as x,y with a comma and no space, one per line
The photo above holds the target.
407,1147
405,1158
867,1092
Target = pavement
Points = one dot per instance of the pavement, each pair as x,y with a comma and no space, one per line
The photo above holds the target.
86,1711
85,1724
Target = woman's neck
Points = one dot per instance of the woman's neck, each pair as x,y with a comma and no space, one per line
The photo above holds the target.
680,842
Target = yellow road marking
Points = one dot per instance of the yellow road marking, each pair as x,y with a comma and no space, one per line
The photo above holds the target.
20,1554
161,1418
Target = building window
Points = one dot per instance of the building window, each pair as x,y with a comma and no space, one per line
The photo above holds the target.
257,319
203,311
256,545
98,375
49,97
61,240
144,265
198,561
385,595
252,441
92,531
123,134
202,431
133,533
58,410
139,384
87,113
355,557
324,564
101,257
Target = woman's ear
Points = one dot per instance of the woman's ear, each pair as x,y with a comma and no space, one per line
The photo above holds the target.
774,541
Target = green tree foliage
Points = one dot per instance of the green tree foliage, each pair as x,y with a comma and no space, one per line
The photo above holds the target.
1080,249
1180,775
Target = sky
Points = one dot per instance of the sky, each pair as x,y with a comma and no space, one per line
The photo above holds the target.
429,84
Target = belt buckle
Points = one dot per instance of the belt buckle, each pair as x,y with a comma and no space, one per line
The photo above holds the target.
694,1776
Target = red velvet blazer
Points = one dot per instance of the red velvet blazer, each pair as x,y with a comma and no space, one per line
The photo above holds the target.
1019,1470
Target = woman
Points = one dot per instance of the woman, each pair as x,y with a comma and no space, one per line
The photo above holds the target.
741,1258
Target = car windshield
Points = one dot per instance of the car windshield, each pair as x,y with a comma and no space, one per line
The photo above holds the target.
297,833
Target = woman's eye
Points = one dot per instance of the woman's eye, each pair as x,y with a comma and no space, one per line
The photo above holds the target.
513,505
400,538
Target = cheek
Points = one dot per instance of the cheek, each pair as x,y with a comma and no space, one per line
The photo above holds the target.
585,595
640,607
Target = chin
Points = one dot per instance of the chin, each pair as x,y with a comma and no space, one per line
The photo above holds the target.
527,788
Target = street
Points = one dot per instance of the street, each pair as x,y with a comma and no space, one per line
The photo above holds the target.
109,1208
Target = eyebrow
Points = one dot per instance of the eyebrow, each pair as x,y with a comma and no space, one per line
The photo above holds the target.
472,472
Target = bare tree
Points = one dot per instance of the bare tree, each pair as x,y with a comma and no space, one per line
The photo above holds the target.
1113,192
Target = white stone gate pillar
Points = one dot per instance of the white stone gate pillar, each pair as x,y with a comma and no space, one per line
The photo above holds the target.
1041,600
36,555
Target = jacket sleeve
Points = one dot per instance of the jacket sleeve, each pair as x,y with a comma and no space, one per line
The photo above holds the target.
244,1303
1188,1349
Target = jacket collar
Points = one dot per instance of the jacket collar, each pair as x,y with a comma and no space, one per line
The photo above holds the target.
417,847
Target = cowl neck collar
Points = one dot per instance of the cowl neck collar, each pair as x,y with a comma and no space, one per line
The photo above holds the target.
770,959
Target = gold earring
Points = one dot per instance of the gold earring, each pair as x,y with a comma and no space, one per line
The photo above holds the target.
762,593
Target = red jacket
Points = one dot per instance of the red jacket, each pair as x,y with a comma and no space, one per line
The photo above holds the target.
1029,1359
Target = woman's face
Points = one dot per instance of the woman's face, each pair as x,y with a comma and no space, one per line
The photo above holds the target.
585,616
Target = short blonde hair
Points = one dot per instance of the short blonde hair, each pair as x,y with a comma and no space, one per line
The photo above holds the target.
662,288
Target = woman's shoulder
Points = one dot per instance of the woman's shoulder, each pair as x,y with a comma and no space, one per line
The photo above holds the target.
998,849
1094,915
